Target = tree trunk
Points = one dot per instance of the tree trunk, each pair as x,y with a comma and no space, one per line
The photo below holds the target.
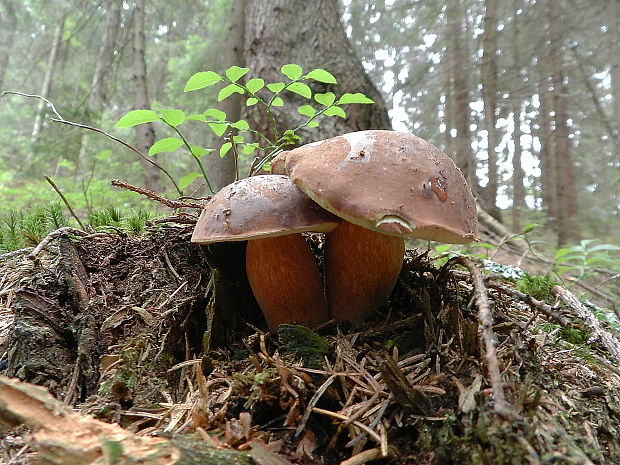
489,96
47,79
105,57
145,133
614,50
311,35
548,176
518,190
457,62
8,25
567,199
221,171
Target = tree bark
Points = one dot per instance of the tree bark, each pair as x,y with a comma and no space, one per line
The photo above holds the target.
221,171
614,50
47,79
311,35
8,25
548,168
489,96
98,96
457,63
145,133
518,190
567,199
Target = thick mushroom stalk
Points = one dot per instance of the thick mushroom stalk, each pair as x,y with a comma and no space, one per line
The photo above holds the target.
269,212
361,268
286,280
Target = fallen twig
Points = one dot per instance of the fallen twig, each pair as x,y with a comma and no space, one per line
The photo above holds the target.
548,310
61,232
599,334
152,195
488,340
64,199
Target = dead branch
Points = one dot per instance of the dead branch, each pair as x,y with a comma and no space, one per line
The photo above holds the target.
64,199
488,340
63,436
599,334
60,232
552,313
152,195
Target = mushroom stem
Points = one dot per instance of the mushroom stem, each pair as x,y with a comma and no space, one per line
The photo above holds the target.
361,268
285,280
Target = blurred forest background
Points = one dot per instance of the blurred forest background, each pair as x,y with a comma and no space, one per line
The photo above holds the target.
523,94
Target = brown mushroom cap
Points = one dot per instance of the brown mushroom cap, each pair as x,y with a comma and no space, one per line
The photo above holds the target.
390,182
260,206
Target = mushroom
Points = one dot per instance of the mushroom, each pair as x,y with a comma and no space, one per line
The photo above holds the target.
388,186
270,212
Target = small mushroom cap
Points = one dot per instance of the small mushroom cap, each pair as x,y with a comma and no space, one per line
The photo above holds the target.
386,181
260,206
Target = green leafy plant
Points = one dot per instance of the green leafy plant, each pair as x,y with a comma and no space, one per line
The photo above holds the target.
582,259
19,229
255,91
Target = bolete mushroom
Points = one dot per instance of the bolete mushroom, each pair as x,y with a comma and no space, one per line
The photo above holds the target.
388,186
269,212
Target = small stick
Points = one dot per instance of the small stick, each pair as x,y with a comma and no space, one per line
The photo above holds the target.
548,310
54,235
64,199
364,457
487,338
154,196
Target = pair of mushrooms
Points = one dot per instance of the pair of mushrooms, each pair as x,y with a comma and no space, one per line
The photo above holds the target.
367,191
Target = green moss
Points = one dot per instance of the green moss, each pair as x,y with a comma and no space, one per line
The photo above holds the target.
538,287
303,343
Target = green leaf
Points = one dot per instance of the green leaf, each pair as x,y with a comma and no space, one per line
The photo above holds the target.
277,102
235,72
321,75
201,80
251,101
238,139
225,148
249,149
354,98
229,90
136,117
561,253
306,110
173,117
254,85
200,151
300,88
197,117
169,144
218,128
276,87
312,124
605,247
530,227
188,179
216,114
335,111
291,71
325,99
242,125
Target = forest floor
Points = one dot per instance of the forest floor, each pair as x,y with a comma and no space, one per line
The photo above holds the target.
121,328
